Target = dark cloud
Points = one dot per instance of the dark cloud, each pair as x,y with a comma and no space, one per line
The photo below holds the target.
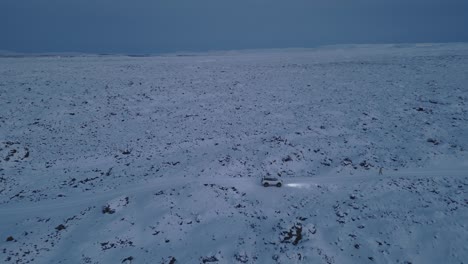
154,26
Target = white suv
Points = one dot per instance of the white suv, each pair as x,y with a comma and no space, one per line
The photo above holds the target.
266,182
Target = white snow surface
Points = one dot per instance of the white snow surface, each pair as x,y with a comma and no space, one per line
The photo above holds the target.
117,159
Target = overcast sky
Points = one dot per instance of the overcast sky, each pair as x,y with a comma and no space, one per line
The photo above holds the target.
158,26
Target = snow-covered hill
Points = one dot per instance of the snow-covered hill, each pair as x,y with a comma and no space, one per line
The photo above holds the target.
158,159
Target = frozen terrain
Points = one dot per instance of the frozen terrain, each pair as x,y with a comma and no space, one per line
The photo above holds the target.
118,159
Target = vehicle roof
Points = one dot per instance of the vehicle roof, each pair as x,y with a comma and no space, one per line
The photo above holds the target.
270,179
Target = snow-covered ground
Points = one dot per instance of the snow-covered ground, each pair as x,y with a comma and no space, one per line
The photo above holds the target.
122,159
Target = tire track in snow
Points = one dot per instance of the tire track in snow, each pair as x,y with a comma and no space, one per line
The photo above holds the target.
141,188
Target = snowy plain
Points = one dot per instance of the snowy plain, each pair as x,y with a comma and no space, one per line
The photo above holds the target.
121,159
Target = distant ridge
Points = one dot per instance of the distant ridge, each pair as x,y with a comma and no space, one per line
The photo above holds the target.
182,53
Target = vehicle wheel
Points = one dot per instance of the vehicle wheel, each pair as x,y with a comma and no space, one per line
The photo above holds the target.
278,184
265,184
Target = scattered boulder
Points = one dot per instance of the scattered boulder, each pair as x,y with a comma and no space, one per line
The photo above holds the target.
366,165
242,257
108,210
209,259
346,162
129,259
295,232
433,141
172,260
60,227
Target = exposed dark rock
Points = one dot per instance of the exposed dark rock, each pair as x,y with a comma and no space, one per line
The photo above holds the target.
209,259
107,210
60,227
129,259
433,141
